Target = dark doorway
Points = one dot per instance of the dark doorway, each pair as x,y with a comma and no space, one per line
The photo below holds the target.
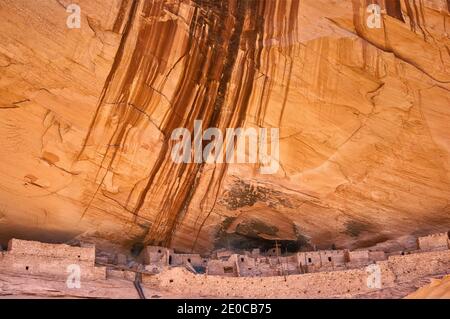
228,270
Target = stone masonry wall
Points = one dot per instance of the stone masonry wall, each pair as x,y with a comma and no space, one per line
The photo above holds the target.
433,241
180,281
408,267
34,248
396,269
194,259
50,260
156,255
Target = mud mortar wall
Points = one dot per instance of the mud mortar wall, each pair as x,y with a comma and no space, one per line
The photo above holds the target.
344,283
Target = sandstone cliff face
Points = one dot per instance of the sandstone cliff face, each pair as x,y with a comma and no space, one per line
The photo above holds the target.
87,115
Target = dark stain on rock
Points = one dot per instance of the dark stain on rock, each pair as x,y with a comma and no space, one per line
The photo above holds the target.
394,9
136,249
242,194
217,34
247,237
50,157
254,228
354,228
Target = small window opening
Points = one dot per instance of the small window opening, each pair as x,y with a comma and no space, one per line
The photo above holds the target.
228,270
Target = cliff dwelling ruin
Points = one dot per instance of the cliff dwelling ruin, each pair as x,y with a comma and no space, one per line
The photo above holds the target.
159,271
224,148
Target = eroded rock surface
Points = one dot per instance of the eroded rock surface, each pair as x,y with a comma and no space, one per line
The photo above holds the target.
87,114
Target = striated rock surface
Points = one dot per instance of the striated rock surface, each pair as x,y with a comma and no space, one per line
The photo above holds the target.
86,117
437,289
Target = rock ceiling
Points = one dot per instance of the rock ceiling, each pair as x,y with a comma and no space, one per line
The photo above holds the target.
86,117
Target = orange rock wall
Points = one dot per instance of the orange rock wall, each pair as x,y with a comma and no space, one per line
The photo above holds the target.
86,117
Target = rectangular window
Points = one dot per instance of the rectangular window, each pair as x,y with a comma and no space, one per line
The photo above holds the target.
228,270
